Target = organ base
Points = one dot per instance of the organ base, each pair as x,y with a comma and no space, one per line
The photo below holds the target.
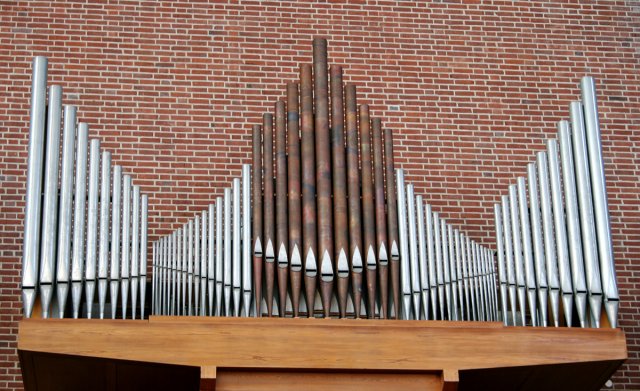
271,353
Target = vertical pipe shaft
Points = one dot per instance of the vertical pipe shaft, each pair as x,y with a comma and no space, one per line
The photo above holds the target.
65,208
220,261
189,241
308,186
196,265
489,293
502,273
144,235
323,171
269,210
246,241
353,185
422,258
135,250
473,287
182,286
445,268
211,247
179,272
459,267
549,239
236,271
114,276
105,208
439,269
126,244
228,272
564,265
339,175
517,252
392,221
256,190
414,269
465,277
160,298
168,275
368,209
32,210
538,243
204,256
587,218
508,243
77,265
573,221
405,273
600,202
381,222
92,224
282,218
431,263
295,207
173,277
453,274
50,199
529,269
154,273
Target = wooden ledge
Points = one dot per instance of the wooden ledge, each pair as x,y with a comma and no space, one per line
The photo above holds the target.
228,351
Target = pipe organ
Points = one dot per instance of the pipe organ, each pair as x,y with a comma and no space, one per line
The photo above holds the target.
322,223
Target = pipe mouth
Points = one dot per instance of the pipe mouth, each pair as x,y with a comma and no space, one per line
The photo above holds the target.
295,268
357,269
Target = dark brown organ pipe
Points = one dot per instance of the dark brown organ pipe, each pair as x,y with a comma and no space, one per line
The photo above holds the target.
282,229
381,223
269,218
341,227
353,183
257,216
392,221
295,228
308,186
323,171
368,209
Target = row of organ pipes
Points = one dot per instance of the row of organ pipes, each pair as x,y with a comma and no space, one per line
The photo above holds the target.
554,248
85,221
321,223
331,228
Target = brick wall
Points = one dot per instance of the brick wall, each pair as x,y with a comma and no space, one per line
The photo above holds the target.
472,90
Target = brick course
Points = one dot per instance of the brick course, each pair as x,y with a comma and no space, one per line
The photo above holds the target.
472,89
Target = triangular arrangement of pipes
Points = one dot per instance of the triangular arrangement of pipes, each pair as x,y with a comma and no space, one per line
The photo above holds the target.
321,225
